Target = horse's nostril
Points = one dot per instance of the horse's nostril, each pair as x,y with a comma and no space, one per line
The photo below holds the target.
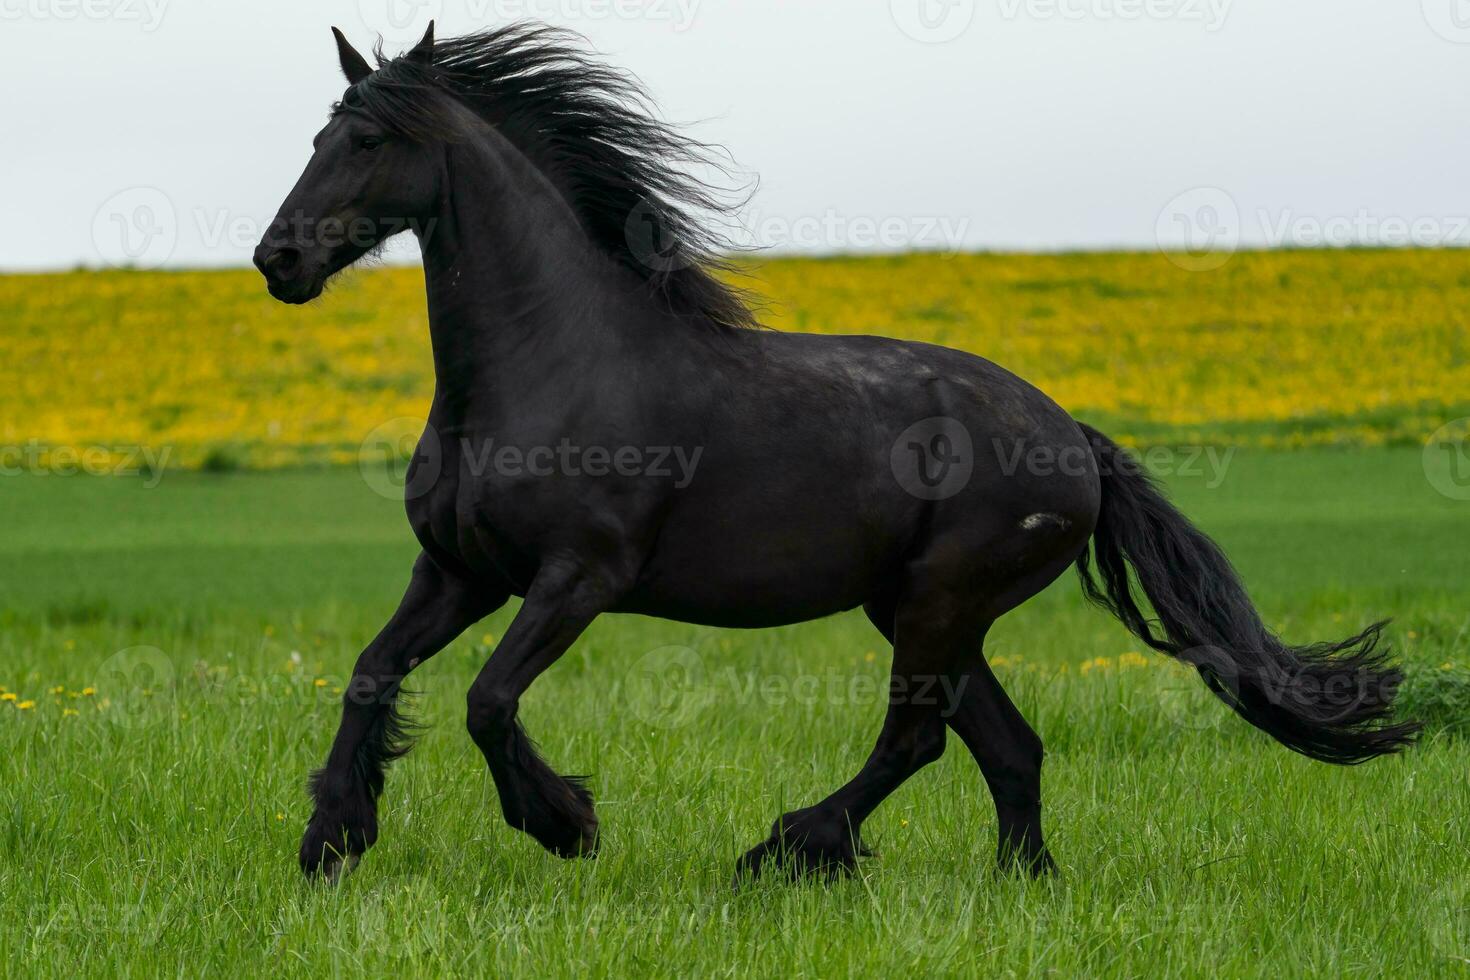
282,263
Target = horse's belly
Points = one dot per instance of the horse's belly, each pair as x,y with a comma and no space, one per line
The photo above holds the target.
758,576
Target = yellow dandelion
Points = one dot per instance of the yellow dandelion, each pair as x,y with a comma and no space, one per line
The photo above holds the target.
26,705
87,692
7,696
68,712
280,816
58,689
320,682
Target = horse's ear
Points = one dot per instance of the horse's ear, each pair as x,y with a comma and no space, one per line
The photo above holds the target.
354,65
423,52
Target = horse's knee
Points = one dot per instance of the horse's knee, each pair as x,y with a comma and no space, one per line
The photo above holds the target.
489,709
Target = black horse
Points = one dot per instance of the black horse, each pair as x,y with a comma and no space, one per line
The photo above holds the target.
573,303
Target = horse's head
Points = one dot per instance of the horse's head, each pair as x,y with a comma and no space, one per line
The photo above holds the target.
363,184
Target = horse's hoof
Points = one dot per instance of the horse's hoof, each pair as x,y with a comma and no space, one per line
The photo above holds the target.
330,866
794,863
801,852
337,868
573,842
330,848
561,818
1039,865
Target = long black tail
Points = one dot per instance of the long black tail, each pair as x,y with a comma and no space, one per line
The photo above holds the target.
1329,701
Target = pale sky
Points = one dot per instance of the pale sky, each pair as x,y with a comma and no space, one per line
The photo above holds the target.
168,131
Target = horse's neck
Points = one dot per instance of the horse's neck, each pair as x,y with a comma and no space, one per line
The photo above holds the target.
517,295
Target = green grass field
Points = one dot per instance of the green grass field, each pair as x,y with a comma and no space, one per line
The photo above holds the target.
180,647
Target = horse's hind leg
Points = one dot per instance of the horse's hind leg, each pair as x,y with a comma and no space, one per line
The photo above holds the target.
435,609
1008,572
1009,754
824,838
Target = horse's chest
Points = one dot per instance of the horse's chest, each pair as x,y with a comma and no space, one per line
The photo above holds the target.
463,523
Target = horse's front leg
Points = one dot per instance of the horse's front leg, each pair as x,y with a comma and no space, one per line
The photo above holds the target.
555,810
435,609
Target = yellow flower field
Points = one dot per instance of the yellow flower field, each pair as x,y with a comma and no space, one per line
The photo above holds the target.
1274,349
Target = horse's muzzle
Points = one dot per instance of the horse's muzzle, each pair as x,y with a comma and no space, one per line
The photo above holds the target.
288,275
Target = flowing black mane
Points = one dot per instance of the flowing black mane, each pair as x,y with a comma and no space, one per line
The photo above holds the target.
592,131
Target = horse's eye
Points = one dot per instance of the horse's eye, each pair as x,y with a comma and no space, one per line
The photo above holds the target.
370,142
